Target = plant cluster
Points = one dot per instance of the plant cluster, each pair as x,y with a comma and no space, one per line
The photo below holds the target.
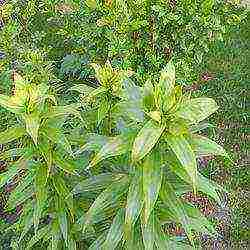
115,181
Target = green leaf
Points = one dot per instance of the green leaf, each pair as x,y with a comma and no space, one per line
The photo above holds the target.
65,194
203,146
170,199
108,198
203,184
146,140
97,182
148,233
11,134
41,192
64,111
64,164
185,155
197,109
115,146
115,232
12,106
5,177
97,244
38,236
167,78
57,136
23,184
103,110
166,86
134,204
28,222
14,152
32,122
61,216
82,88
152,178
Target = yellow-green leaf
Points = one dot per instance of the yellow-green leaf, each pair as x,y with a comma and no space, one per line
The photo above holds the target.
115,232
115,146
197,109
11,134
32,122
203,146
134,204
185,155
146,140
152,178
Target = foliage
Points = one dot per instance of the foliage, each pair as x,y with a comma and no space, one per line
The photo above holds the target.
136,174
107,169
142,35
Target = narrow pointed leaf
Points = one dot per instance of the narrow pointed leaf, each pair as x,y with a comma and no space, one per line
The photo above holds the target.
134,204
64,164
103,110
203,146
115,232
41,193
203,184
97,244
8,103
37,237
197,109
170,199
148,233
108,198
5,177
82,88
32,122
11,134
20,198
146,140
64,193
97,182
152,178
167,79
115,146
185,155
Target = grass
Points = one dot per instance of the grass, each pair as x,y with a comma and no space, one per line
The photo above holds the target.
228,65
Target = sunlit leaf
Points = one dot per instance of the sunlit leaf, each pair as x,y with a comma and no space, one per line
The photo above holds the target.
108,198
8,103
11,134
185,155
134,204
197,109
32,122
152,178
146,139
103,110
115,232
115,146
203,146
